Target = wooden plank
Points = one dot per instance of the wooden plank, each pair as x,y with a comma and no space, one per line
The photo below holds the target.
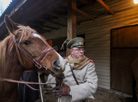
125,37
121,59
121,74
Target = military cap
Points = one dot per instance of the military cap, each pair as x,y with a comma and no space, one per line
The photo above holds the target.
76,42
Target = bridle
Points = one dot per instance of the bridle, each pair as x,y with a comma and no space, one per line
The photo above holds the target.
35,62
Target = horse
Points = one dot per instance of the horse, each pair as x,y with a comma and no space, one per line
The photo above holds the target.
24,49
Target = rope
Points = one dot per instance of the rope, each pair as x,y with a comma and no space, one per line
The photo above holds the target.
40,87
23,82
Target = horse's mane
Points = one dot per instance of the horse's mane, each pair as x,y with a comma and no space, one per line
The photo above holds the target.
3,49
25,31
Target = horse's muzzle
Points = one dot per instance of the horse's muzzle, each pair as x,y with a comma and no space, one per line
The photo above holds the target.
56,65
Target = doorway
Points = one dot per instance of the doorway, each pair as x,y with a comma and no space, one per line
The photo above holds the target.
124,49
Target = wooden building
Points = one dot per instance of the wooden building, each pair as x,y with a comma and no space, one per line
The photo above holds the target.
110,29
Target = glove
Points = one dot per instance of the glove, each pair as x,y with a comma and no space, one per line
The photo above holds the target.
59,79
61,91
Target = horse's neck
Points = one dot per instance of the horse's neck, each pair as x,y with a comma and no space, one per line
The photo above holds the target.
12,68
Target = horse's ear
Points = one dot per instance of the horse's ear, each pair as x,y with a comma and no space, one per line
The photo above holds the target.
11,26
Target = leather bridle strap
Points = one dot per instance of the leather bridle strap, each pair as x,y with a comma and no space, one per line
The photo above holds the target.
75,80
37,63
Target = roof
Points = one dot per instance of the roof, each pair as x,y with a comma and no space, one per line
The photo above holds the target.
46,15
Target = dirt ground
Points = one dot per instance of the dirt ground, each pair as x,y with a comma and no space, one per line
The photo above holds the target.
101,95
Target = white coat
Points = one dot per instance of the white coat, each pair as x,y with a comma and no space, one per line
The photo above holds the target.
87,79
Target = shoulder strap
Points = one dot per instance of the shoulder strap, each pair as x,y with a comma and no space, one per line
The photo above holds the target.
73,74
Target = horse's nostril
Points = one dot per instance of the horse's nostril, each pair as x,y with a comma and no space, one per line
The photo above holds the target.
56,65
55,62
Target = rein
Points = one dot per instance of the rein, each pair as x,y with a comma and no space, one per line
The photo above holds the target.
23,82
26,82
36,63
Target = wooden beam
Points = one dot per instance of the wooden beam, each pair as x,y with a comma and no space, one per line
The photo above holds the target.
83,13
75,9
71,21
106,6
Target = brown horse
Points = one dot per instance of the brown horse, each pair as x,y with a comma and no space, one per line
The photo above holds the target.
22,50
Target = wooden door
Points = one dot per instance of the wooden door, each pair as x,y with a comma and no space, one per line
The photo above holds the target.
124,49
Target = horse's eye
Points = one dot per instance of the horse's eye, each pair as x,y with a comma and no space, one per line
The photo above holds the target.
27,42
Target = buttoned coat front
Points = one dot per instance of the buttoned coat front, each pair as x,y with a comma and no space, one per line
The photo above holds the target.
87,79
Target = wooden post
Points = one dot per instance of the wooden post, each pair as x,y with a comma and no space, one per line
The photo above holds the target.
71,21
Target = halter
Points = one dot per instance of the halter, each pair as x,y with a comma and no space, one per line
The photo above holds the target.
36,63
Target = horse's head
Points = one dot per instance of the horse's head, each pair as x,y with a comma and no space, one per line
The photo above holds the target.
32,49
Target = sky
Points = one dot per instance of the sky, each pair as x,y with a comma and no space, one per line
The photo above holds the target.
3,5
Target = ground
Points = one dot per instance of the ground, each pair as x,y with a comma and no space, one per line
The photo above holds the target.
101,95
